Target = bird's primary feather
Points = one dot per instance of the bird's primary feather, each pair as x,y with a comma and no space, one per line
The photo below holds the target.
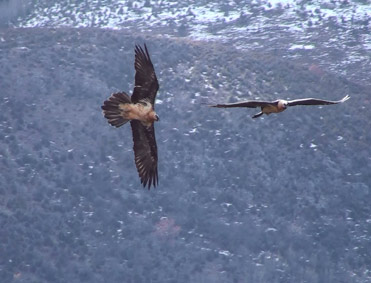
145,151
146,84
248,104
315,101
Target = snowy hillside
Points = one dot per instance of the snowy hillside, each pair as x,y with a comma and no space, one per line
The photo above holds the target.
335,34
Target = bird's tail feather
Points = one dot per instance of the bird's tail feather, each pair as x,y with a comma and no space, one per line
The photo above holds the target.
113,110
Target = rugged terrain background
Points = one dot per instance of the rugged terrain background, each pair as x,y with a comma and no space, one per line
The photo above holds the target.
284,198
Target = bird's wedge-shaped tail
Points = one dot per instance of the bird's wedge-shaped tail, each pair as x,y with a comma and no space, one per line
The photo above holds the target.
114,109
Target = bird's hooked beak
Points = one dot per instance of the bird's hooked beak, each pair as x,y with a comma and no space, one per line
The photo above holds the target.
157,117
284,104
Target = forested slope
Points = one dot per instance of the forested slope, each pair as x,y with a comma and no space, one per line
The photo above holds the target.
284,198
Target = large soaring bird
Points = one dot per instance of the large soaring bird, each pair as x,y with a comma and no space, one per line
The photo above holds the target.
120,108
268,107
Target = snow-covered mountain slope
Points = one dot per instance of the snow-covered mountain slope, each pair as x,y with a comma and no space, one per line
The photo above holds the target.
335,34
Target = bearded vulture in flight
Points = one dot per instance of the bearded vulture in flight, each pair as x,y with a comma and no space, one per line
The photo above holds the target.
120,108
277,106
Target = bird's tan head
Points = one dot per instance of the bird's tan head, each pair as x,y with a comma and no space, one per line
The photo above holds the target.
153,116
282,104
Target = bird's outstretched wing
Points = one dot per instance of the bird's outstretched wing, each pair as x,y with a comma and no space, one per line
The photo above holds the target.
314,101
146,84
249,104
145,152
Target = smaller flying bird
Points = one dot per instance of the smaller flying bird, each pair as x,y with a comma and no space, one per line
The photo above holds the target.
120,108
277,106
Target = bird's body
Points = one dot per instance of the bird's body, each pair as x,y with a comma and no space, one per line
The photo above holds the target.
142,111
277,106
119,109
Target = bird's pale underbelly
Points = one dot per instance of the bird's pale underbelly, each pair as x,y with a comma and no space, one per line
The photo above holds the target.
137,111
271,109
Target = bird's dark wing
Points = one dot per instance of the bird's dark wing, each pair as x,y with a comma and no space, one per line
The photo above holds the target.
314,101
249,104
146,84
145,152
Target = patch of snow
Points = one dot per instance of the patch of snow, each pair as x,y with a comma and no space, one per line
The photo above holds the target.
301,46
226,253
312,145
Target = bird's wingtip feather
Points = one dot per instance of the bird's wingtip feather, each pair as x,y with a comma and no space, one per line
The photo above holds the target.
345,98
